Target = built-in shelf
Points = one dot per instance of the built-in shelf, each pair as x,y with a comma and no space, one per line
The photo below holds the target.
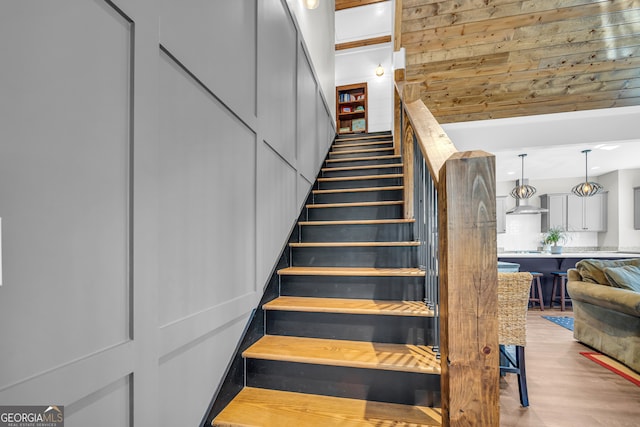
351,108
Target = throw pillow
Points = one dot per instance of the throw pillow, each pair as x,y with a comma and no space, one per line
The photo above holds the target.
625,277
591,270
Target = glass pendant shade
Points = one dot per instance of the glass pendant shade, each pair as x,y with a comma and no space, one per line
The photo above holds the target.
586,188
311,4
379,70
523,191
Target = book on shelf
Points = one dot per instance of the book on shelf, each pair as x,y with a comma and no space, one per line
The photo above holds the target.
358,125
349,97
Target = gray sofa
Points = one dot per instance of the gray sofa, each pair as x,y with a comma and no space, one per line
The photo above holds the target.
606,307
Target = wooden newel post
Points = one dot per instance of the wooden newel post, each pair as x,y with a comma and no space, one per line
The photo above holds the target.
469,284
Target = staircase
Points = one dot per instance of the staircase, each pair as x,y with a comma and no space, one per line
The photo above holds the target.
347,339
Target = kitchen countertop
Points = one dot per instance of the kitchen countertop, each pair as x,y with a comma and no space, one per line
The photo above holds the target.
595,254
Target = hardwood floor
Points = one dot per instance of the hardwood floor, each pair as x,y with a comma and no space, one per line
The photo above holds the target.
565,388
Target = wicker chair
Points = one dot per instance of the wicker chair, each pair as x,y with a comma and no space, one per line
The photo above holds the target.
513,301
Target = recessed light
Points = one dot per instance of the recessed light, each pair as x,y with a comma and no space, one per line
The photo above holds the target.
608,147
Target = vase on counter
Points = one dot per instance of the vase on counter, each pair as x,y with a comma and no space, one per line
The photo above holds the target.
555,249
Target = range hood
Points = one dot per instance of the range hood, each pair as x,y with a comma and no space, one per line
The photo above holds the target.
522,208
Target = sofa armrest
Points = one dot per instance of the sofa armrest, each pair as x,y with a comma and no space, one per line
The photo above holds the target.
616,299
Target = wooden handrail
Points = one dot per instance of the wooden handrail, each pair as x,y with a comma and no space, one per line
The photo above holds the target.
465,183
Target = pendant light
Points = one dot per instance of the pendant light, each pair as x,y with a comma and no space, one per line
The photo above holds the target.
523,191
379,70
311,4
586,188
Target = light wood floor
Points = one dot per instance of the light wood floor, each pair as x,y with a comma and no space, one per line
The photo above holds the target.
565,388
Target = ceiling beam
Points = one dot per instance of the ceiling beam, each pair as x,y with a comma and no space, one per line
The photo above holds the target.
346,4
365,42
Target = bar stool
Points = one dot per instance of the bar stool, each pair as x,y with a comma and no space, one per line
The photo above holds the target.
561,278
536,290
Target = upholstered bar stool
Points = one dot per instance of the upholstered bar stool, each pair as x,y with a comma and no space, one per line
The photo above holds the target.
536,290
559,285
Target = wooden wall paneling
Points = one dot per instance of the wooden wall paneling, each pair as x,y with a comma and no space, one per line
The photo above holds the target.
519,58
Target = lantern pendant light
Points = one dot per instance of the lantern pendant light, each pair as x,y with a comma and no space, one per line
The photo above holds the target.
586,188
523,191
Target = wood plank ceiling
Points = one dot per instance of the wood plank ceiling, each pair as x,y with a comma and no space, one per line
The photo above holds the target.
487,59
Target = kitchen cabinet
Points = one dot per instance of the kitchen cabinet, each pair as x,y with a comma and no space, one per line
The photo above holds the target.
501,214
572,213
557,215
587,213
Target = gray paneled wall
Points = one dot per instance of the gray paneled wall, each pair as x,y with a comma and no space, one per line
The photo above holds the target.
153,159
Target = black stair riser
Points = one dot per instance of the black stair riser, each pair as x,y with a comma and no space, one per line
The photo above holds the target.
364,162
375,136
357,233
349,147
358,196
359,287
354,327
347,155
381,257
355,212
360,172
367,384
358,183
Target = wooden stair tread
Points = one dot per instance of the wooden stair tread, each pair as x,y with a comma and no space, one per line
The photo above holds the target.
275,408
351,244
360,177
349,168
359,222
359,190
354,354
363,144
349,306
355,159
351,271
355,204
366,150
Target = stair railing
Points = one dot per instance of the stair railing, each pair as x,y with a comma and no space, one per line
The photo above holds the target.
451,196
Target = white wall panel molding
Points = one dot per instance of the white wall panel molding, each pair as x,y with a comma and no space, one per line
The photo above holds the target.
217,41
148,185
65,184
96,371
307,124
277,51
276,209
207,198
115,399
182,332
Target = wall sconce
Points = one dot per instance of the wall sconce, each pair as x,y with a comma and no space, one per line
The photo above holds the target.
311,4
379,70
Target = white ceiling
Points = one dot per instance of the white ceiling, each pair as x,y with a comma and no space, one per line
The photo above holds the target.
553,142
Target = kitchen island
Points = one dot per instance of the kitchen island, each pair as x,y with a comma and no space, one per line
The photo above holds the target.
545,263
